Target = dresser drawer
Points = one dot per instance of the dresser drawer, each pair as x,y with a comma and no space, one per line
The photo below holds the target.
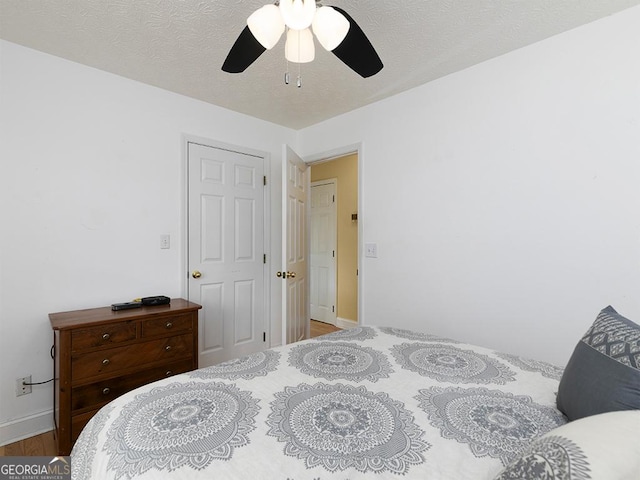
94,395
111,334
113,360
163,325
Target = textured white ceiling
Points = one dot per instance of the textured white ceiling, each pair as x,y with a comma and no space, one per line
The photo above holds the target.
180,45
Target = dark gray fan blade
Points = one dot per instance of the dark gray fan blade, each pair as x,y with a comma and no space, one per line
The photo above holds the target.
356,50
244,52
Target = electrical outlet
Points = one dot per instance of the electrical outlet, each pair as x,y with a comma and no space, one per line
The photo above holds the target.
21,388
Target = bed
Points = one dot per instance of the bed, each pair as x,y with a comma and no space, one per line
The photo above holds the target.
368,402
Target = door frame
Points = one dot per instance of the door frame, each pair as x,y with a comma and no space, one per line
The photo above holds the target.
184,223
332,154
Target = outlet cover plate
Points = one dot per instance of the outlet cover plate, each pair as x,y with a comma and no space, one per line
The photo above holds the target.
21,388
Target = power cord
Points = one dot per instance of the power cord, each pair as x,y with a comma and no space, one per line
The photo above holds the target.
38,383
52,352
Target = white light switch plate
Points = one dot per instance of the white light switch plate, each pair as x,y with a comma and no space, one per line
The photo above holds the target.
371,250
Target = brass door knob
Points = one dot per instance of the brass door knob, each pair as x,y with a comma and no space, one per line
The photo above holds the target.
285,275
196,274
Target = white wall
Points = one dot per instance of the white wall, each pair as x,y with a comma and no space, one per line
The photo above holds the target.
504,198
90,176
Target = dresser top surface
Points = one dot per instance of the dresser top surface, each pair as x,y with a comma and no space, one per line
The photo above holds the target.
101,315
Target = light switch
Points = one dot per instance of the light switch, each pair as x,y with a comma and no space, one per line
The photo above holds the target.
371,250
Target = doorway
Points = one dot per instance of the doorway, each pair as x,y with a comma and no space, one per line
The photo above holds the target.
344,170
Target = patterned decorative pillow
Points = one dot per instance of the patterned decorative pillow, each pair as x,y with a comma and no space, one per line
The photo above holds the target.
603,374
604,446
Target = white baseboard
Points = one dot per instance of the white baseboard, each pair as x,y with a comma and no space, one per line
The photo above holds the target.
345,323
26,427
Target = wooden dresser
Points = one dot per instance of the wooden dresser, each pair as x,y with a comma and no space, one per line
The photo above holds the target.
101,354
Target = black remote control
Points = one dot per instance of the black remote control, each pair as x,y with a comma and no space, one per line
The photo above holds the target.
125,306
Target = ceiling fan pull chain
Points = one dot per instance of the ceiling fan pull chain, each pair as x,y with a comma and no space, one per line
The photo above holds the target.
286,71
299,82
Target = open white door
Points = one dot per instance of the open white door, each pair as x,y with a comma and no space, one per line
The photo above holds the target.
295,199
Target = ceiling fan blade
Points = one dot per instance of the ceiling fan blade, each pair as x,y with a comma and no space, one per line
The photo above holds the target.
356,50
244,52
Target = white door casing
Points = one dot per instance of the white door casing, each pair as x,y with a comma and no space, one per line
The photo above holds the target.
295,199
226,248
323,250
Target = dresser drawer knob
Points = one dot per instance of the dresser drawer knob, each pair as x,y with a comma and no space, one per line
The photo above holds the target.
105,336
105,361
106,390
167,348
169,373
169,325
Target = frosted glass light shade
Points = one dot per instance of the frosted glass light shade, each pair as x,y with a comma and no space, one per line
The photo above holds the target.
266,25
330,27
299,47
298,14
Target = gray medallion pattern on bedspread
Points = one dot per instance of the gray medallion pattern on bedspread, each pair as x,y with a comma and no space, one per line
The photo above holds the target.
353,334
357,404
491,422
85,448
338,360
256,365
341,426
411,335
544,368
181,424
552,457
447,363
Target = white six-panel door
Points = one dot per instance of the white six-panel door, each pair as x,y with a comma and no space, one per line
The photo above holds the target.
295,299
323,245
226,251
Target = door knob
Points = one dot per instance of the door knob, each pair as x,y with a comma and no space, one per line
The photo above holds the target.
196,274
285,275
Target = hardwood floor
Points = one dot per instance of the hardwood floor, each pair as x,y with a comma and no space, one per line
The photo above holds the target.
321,328
44,445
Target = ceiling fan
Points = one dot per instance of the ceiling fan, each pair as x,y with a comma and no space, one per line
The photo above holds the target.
334,29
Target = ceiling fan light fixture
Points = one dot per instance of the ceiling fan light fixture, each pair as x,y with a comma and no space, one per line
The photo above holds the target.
330,27
298,14
266,25
336,31
299,47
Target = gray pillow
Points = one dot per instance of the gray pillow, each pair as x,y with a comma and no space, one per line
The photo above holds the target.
603,374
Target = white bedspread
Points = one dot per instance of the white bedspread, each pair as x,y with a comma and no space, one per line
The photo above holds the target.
362,403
